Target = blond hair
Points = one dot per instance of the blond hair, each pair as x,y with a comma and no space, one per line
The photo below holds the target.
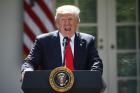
67,9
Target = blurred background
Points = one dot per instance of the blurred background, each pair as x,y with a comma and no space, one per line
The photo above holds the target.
114,23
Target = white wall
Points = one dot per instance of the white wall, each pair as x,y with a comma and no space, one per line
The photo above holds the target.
10,45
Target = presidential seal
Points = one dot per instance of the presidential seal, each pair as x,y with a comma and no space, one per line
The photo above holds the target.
61,79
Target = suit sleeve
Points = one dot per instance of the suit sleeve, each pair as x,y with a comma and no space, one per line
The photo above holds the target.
34,58
95,63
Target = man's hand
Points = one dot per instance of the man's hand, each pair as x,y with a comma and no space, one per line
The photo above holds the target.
27,69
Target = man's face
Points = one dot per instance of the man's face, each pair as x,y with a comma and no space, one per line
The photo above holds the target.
67,24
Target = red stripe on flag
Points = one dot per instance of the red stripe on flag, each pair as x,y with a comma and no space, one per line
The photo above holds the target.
35,18
29,32
26,50
46,11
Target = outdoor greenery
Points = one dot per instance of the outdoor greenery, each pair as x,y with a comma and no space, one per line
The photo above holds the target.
126,10
127,86
88,11
126,37
64,2
127,64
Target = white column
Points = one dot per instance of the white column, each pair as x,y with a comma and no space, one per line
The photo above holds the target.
102,39
10,45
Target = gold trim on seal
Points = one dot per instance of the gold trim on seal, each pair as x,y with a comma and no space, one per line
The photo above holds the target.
61,73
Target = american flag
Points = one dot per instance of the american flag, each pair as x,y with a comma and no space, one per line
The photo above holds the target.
38,19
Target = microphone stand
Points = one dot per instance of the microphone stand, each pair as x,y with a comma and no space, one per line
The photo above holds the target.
65,43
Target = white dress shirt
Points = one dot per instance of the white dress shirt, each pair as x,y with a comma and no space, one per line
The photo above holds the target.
62,47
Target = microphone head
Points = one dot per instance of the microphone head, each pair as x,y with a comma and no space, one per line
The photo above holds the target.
65,41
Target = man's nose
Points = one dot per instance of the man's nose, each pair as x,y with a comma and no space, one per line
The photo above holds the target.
67,22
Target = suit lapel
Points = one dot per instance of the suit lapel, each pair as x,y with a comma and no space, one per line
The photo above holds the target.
78,50
57,46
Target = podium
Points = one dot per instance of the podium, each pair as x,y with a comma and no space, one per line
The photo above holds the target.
84,82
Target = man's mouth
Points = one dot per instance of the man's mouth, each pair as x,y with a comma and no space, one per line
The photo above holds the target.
67,28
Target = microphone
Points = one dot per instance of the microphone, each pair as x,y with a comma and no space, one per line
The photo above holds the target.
65,43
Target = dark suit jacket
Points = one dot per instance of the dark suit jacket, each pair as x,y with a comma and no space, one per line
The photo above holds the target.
47,53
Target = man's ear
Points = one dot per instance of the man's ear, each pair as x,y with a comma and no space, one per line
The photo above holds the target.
78,19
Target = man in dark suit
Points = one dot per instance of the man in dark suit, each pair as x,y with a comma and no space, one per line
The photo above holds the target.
47,52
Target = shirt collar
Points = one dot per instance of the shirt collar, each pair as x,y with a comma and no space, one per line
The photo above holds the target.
61,37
